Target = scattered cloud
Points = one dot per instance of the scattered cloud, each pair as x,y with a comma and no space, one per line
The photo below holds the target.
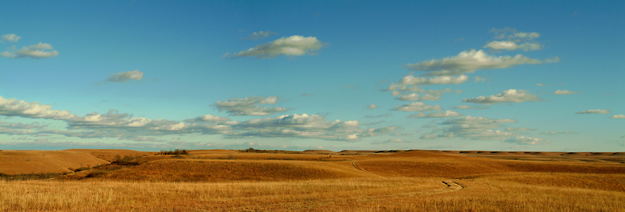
565,92
409,97
307,126
474,128
468,62
379,116
477,79
620,116
558,133
525,140
21,108
259,35
37,51
372,106
540,84
519,129
412,80
416,106
11,38
511,95
125,76
463,107
445,114
514,35
295,45
594,111
555,59
249,106
511,45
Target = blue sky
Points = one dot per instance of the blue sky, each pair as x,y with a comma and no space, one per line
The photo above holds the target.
458,75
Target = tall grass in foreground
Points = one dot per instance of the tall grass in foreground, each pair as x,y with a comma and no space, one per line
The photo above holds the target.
353,194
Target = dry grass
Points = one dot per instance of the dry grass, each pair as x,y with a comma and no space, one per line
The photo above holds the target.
361,181
34,161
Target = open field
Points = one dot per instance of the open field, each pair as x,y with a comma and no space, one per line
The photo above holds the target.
230,180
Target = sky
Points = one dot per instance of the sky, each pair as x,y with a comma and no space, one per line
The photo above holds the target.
297,75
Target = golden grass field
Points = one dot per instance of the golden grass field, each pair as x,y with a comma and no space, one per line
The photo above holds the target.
230,180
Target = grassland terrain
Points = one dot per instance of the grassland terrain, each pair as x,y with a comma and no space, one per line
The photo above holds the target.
314,180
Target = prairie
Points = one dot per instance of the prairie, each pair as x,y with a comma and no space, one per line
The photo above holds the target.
416,180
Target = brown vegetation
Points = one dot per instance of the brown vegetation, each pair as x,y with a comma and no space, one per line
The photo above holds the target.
228,180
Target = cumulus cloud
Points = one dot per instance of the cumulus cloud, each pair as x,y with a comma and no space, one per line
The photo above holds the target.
514,35
21,108
37,51
126,127
519,129
11,38
511,95
565,92
249,106
525,140
470,61
445,114
463,107
620,116
555,59
295,45
511,45
125,76
594,111
259,35
307,126
474,128
409,97
372,106
416,106
557,133
412,80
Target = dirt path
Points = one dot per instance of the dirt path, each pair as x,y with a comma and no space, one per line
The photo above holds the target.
356,166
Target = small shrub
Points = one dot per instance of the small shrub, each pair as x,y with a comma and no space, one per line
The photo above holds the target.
95,174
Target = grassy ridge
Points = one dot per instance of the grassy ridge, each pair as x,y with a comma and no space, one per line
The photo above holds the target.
225,180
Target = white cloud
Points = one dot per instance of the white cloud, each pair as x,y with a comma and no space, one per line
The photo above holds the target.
511,95
540,84
620,116
470,61
248,106
125,76
21,108
514,35
409,97
558,133
11,38
511,45
519,129
213,119
40,50
555,59
463,107
444,114
372,106
525,140
565,92
259,35
411,80
474,128
594,111
290,46
307,126
416,106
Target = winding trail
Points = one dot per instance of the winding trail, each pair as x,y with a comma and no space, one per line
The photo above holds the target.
357,167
